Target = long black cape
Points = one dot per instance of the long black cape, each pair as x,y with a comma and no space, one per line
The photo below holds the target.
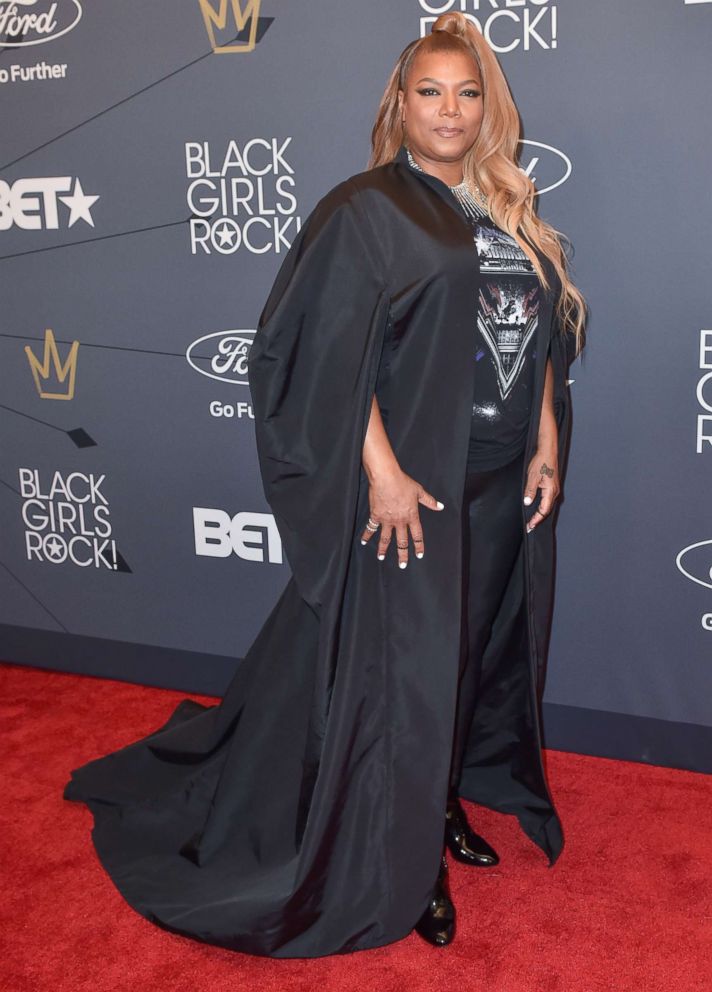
303,815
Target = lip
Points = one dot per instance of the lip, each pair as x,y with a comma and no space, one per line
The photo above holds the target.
448,132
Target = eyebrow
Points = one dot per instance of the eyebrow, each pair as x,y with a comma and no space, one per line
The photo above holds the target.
430,79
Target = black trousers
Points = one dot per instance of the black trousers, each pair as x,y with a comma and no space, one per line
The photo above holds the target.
492,534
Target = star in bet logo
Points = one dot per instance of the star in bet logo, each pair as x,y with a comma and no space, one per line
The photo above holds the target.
79,205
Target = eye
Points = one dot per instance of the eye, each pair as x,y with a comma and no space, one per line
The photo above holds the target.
431,89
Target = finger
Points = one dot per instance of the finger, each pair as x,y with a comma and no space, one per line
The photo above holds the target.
428,500
367,534
531,488
546,502
384,540
402,545
416,533
534,520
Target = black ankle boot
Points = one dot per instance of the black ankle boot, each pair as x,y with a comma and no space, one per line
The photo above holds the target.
437,924
462,841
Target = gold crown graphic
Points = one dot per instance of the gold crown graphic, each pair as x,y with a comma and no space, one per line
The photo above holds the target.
218,18
63,374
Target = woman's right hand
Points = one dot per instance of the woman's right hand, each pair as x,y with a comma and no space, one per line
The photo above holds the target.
393,498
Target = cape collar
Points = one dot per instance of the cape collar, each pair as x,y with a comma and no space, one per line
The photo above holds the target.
438,185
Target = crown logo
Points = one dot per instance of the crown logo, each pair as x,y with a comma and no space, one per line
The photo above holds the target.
241,16
64,375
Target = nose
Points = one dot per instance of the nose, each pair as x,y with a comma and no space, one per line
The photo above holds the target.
449,106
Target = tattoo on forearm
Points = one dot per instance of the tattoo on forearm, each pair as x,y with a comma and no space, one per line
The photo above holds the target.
545,470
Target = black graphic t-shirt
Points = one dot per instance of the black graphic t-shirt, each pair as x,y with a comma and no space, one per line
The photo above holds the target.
503,348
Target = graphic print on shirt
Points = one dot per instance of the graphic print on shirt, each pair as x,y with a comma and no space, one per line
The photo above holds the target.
509,304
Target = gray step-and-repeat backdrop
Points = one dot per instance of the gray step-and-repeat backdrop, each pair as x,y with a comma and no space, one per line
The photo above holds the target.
157,160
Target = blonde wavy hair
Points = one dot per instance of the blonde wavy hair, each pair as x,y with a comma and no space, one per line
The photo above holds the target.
492,159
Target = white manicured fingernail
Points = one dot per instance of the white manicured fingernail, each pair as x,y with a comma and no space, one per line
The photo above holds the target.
381,557
527,500
419,554
440,506
402,564
529,530
363,542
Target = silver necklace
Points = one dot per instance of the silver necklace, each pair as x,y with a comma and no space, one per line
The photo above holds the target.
473,205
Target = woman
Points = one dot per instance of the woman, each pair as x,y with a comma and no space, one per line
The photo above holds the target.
305,814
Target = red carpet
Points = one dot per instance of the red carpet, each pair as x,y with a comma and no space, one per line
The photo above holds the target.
628,905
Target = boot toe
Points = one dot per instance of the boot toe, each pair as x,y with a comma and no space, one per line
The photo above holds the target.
463,843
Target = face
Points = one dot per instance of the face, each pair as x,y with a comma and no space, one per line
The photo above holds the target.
442,105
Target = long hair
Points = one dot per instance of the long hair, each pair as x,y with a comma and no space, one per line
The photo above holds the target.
491,161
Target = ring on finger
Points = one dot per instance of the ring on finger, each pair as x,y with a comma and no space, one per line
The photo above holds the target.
403,545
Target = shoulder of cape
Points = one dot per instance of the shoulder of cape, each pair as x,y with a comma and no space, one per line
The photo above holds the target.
350,202
358,188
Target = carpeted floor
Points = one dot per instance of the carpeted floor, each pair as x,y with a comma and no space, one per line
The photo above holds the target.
627,907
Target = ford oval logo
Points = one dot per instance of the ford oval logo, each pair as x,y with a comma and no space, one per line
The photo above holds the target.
545,165
695,562
222,355
33,22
